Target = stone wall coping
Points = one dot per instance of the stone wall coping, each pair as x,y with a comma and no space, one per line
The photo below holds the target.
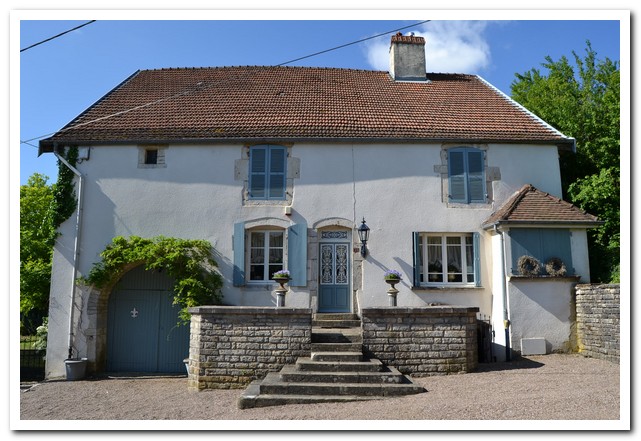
244,310
418,310
598,286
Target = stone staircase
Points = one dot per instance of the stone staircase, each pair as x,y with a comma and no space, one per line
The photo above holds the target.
336,371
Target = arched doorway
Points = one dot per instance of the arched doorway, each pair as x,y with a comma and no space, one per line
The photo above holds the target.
142,331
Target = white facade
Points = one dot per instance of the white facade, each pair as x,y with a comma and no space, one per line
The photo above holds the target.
199,193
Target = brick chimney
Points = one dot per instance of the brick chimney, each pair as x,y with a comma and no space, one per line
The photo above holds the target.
407,58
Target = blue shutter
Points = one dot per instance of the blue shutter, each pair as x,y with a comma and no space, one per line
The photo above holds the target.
416,258
258,161
277,168
239,254
457,174
475,176
476,243
297,254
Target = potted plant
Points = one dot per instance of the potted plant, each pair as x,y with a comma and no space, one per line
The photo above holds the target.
282,276
392,277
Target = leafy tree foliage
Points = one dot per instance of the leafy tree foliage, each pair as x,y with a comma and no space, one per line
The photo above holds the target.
582,100
37,235
189,262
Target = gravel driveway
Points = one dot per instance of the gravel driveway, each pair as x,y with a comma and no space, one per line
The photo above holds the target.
550,387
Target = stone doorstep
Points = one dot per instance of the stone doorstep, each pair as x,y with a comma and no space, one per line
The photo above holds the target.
336,323
335,316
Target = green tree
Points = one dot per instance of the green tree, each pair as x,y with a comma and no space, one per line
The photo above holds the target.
582,100
37,235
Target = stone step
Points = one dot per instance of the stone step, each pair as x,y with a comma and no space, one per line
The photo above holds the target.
252,397
337,347
335,316
272,384
307,364
389,375
324,323
337,356
336,335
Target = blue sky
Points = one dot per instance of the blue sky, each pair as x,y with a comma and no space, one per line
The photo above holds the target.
61,78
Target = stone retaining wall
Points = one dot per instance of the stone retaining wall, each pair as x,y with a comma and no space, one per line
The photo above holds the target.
422,341
597,321
232,345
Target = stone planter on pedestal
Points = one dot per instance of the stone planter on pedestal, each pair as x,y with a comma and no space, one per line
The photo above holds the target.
281,291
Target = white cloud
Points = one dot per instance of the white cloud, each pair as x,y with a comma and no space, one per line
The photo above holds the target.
450,46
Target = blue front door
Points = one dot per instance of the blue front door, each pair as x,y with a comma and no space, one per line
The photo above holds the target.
334,292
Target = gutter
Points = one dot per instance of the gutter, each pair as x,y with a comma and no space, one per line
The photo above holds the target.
76,249
504,296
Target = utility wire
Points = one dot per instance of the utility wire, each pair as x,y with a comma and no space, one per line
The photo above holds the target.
353,42
200,87
56,36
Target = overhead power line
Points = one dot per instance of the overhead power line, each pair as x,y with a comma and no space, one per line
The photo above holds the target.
353,42
200,87
56,36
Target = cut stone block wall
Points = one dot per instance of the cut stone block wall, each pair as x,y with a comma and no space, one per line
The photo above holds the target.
422,341
232,345
597,321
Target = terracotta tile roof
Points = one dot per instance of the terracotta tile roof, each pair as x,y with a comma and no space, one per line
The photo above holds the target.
302,103
530,205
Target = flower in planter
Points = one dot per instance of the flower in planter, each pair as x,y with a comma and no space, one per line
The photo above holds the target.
282,274
392,275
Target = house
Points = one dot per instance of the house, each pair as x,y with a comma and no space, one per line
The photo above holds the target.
278,167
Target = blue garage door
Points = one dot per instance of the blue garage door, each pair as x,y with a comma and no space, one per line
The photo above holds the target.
142,333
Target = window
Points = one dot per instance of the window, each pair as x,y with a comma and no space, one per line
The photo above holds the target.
466,172
151,156
266,254
262,250
445,258
267,172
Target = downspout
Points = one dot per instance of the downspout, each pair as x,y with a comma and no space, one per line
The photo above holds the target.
504,291
76,250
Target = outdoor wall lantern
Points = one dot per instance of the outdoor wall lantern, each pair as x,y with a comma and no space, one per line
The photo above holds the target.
363,234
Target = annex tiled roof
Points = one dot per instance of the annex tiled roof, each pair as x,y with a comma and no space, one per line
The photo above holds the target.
532,206
302,103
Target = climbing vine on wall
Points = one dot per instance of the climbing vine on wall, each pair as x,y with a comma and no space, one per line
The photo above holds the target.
188,262
64,195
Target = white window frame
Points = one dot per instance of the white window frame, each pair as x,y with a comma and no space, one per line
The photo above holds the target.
266,252
445,273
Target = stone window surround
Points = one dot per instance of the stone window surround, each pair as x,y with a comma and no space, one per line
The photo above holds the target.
160,159
491,174
241,173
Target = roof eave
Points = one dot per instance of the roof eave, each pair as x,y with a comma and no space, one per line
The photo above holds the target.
47,145
555,223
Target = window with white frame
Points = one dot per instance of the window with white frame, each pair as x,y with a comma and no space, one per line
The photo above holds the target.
446,259
266,253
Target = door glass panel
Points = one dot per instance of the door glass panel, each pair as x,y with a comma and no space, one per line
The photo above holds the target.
341,264
327,264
